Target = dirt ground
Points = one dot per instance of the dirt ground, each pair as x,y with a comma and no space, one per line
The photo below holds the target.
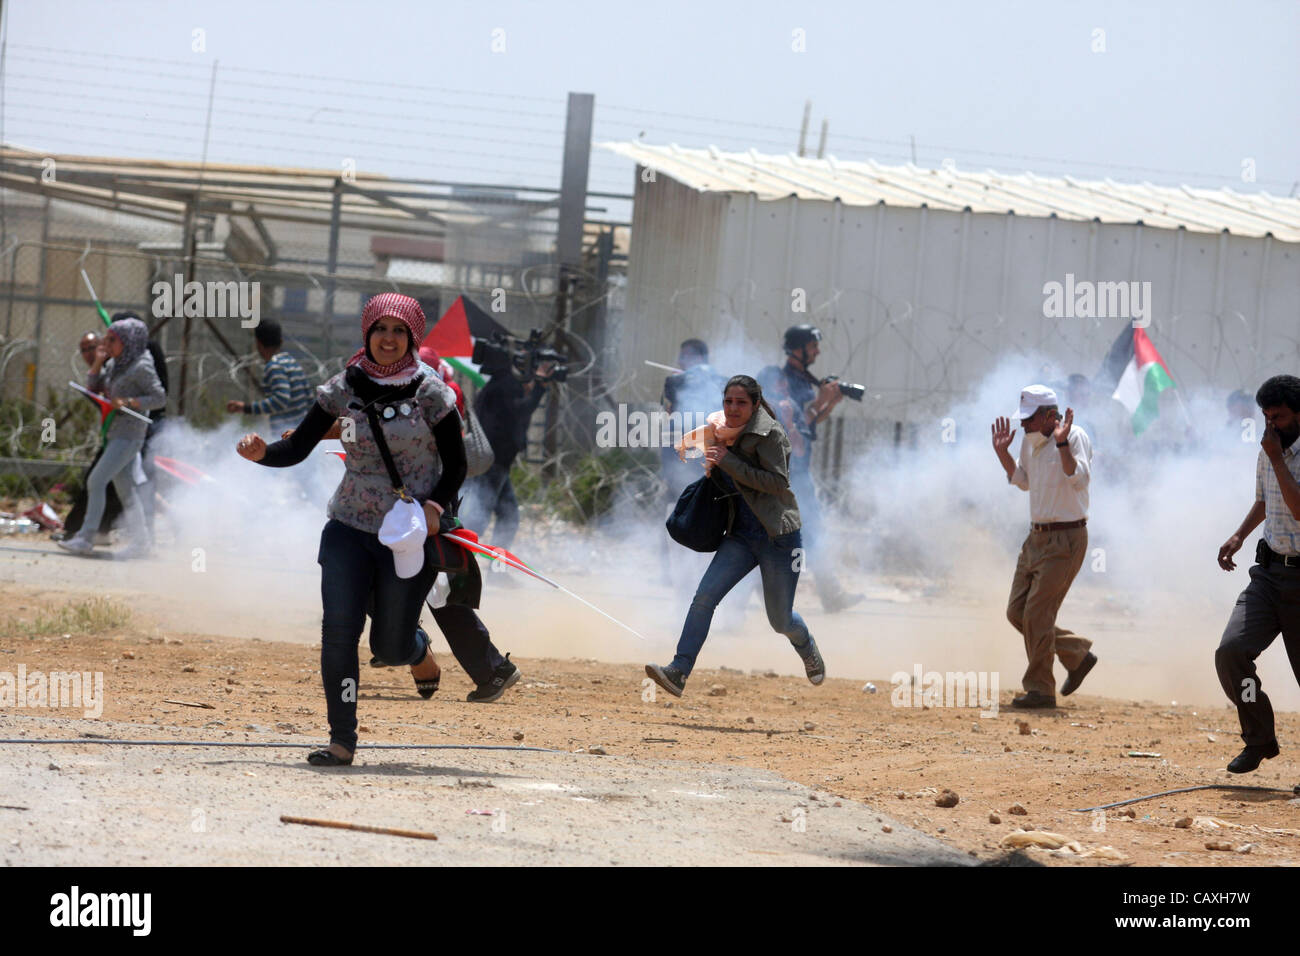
840,740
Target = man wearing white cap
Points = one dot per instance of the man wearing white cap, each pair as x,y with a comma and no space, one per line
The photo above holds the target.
1055,468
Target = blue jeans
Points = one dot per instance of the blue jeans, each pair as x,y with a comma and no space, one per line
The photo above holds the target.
735,558
114,466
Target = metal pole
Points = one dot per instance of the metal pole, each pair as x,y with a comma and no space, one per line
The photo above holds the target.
568,238
803,127
188,248
40,306
336,210
821,145
189,243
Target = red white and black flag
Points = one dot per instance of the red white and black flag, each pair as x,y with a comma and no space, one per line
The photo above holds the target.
1137,374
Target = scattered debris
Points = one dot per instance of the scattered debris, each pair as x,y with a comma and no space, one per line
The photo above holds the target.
1218,845
886,828
518,735
1017,810
994,818
718,690
600,751
1182,823
946,799
809,725
128,655
1023,725
1144,753
189,703
868,688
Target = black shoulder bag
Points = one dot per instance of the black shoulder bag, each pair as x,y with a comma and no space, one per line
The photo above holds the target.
439,552
704,512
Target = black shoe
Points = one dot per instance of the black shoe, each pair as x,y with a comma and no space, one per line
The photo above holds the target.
1252,756
503,678
327,758
1032,699
1076,676
667,677
813,665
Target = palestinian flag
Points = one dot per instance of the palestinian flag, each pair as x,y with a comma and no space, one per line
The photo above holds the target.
452,336
1137,373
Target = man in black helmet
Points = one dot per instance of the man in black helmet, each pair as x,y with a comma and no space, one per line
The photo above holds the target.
815,401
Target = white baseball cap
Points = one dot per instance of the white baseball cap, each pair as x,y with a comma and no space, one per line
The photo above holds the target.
404,531
1034,397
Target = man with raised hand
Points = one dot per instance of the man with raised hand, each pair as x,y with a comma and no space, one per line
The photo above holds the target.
1271,602
1055,468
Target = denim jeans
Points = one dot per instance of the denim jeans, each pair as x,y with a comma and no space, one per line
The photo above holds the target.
358,578
735,558
114,466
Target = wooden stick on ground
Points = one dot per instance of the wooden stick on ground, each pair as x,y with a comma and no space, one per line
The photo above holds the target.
340,825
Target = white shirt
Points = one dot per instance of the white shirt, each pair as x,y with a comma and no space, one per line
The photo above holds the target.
1054,495
1281,531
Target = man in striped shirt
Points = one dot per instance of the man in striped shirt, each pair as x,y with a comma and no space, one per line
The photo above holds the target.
288,393
1271,602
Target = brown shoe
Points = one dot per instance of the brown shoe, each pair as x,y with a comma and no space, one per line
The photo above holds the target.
1076,676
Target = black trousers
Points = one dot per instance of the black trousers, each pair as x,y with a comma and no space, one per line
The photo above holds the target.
358,578
468,638
1270,605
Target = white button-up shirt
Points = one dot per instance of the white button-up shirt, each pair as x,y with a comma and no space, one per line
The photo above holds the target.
1281,530
1054,495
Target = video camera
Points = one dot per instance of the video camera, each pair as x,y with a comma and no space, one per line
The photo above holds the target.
503,351
855,392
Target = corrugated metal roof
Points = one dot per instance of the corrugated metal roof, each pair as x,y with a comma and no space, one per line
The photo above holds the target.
867,183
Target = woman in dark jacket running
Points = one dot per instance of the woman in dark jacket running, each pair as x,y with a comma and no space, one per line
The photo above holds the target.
360,573
747,444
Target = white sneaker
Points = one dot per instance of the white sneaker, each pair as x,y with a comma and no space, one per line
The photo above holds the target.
76,544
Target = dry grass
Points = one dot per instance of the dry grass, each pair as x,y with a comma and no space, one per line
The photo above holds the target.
89,616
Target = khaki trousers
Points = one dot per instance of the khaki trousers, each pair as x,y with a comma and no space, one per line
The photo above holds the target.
1049,561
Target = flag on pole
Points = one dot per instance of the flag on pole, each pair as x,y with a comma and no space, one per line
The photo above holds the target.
453,335
1137,373
103,313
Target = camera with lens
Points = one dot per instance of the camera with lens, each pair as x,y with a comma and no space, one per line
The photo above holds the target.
855,392
504,352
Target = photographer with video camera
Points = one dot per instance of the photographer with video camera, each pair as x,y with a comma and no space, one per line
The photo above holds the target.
519,374
815,399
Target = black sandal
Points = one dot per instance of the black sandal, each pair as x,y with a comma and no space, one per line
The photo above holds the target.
427,688
327,758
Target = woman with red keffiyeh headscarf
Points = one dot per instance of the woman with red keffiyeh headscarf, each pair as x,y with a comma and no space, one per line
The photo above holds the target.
363,571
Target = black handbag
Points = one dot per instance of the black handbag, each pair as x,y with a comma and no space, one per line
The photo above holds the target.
702,515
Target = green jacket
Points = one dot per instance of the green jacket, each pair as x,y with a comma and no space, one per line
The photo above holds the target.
766,489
